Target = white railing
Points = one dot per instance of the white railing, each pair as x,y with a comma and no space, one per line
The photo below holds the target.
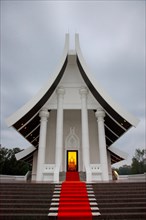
95,168
14,177
48,172
133,177
48,168
95,172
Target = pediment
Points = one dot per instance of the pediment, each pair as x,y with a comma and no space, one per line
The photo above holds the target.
72,141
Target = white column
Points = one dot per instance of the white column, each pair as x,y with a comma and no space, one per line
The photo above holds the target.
44,114
59,133
100,114
85,133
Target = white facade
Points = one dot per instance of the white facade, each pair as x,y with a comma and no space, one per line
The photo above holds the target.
72,119
66,101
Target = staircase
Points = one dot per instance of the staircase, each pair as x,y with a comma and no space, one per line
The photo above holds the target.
25,201
119,200
73,202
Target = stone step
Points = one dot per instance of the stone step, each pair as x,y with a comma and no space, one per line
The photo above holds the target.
122,204
121,192
111,216
102,201
27,188
32,200
117,189
122,216
26,193
28,196
109,202
117,200
24,216
117,186
121,196
25,205
25,210
122,209
68,191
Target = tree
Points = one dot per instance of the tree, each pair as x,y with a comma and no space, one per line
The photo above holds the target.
138,165
138,162
8,163
124,170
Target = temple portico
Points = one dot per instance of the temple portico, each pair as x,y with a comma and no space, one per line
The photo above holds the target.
58,166
71,124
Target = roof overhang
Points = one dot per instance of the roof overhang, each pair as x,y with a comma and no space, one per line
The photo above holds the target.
26,154
117,155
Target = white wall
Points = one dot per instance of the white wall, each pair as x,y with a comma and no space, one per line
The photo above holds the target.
72,119
93,138
51,138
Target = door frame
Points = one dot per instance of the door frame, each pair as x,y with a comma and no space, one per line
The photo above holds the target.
67,151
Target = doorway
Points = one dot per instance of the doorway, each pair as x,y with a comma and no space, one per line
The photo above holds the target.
72,160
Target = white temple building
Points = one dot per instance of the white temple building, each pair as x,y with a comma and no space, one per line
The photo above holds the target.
72,123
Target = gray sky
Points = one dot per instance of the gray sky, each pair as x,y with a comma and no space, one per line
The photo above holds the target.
112,39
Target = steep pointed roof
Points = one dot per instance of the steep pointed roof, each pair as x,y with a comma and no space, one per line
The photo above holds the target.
27,122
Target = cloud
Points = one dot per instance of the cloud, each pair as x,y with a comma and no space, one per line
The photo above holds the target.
12,139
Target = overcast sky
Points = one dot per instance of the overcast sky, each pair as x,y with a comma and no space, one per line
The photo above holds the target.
112,39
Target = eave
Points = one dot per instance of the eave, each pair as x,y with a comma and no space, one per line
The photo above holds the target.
26,155
117,155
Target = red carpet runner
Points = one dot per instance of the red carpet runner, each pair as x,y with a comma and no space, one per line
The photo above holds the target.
72,176
74,203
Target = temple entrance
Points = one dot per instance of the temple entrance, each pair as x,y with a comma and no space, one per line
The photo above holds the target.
72,160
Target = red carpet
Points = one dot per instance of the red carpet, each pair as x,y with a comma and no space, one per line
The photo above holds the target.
72,176
74,203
